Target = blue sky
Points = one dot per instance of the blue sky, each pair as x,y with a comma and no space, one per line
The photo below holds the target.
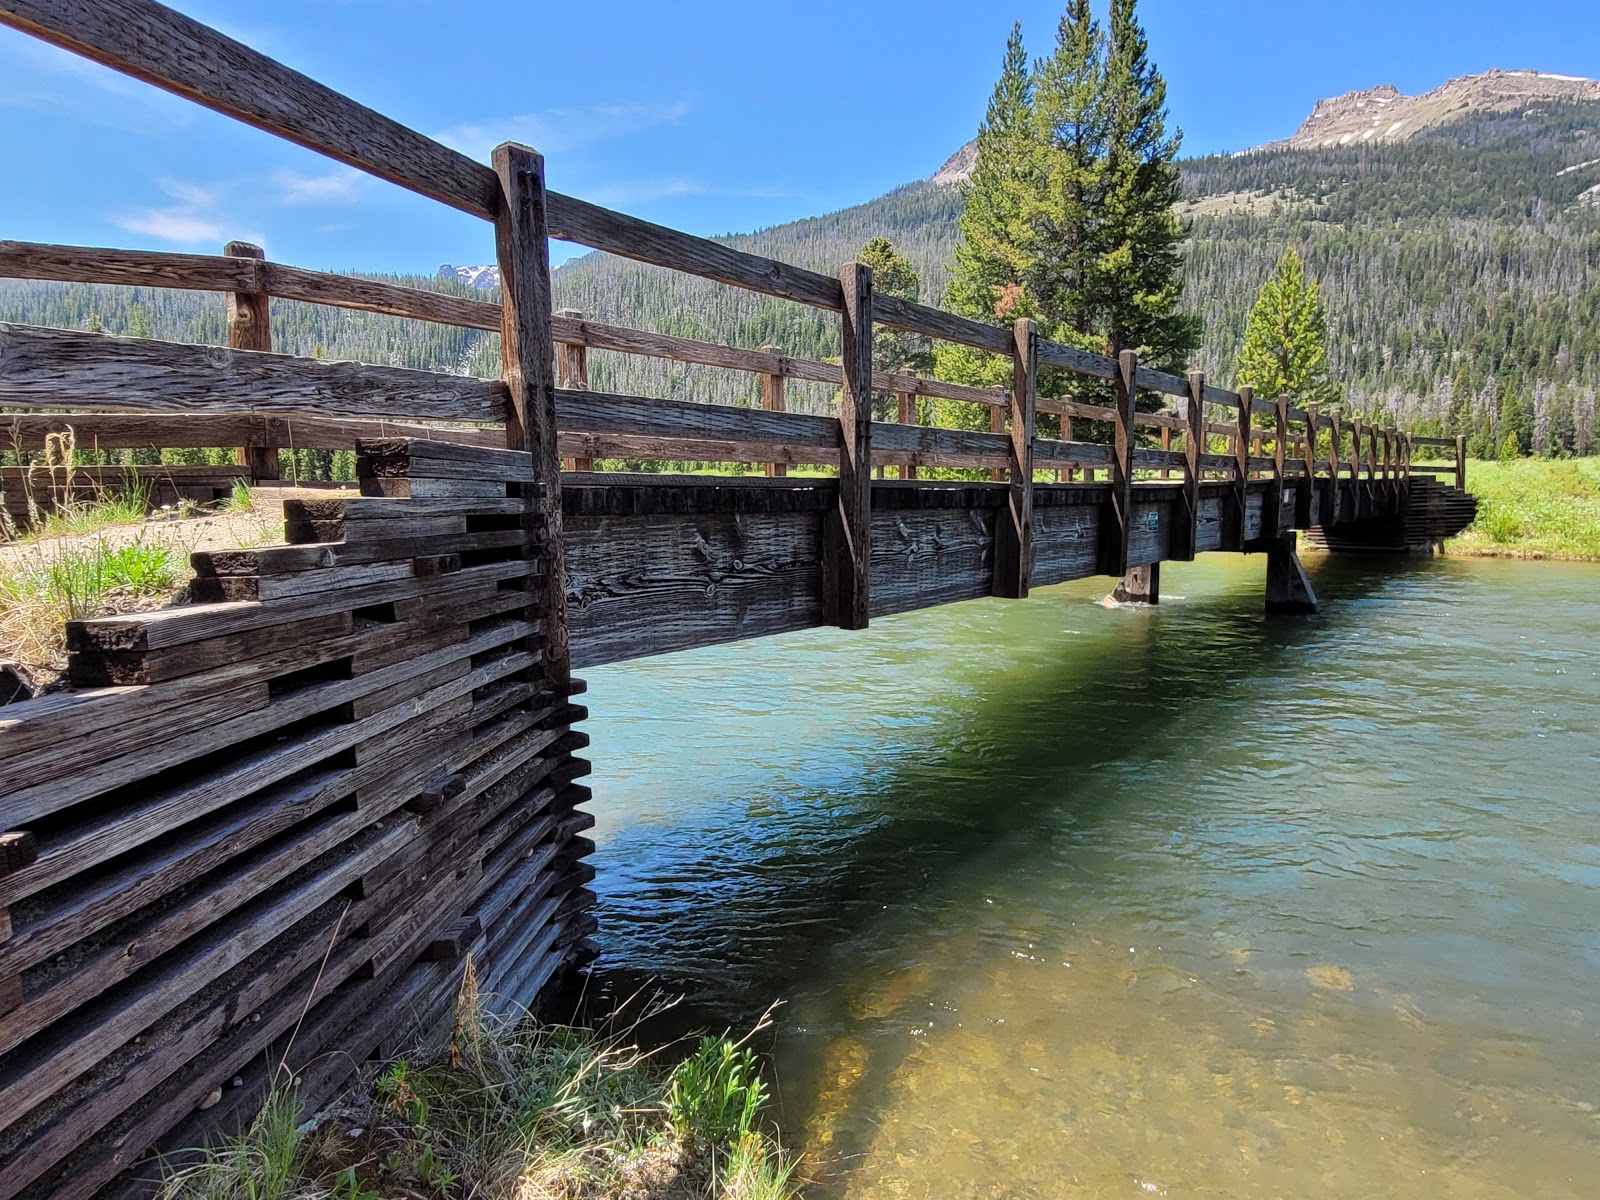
711,116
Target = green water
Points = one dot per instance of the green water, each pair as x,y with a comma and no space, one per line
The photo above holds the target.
1066,900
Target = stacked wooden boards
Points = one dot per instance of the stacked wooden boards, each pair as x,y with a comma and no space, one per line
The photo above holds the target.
266,827
25,491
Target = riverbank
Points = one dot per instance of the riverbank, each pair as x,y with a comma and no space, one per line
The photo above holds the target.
1533,508
515,1111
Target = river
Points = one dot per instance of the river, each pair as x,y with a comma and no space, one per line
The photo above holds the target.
1069,900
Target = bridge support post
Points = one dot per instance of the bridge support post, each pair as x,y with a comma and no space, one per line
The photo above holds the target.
1289,590
1186,536
1141,585
1116,525
1013,552
572,373
847,532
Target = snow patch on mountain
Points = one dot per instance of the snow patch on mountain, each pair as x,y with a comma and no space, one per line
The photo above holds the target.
478,277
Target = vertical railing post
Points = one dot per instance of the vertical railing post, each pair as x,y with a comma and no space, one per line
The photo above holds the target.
847,541
1305,495
1241,465
1013,555
527,355
997,424
1069,474
1194,445
1166,446
1272,522
772,400
906,414
1461,463
572,373
1335,433
1358,458
250,328
1116,523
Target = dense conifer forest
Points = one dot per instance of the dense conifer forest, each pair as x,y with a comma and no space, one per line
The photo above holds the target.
1461,273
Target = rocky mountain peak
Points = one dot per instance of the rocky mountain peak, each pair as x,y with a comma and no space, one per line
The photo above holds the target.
1385,114
478,277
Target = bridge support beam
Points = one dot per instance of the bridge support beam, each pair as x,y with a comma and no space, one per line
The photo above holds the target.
1141,585
1288,588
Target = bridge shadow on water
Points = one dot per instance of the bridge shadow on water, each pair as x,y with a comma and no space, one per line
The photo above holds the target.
765,897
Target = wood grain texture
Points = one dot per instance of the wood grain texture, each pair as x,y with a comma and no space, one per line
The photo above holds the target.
641,584
847,535
1187,544
932,556
213,273
1116,529
60,368
527,358
602,412
1013,556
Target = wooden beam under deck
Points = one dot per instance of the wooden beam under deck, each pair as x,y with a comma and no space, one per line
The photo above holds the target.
663,563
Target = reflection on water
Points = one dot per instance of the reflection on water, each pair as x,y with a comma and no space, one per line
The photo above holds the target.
1067,900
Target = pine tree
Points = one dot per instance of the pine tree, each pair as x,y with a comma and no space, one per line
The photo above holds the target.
893,275
1285,344
1139,238
1071,122
998,241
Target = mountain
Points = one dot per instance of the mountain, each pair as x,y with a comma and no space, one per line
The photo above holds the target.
1459,256
1385,114
483,278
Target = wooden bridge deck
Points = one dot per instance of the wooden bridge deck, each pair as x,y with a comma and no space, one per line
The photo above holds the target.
268,829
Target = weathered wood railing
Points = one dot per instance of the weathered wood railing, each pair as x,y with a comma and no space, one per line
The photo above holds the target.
267,811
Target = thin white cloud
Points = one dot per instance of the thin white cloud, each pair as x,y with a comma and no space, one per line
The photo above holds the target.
177,226
192,195
558,130
337,187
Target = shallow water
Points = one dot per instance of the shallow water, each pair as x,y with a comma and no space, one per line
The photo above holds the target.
1070,900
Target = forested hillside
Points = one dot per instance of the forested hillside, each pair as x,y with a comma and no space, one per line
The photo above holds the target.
1461,270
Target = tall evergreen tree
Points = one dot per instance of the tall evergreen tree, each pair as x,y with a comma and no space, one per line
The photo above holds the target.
1070,121
998,239
1139,237
1285,344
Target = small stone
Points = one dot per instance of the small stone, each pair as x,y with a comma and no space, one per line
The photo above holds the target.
212,1097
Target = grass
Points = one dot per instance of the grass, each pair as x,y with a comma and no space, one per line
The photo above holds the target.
41,592
1534,508
514,1111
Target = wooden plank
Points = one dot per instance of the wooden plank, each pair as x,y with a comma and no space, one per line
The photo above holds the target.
573,220
527,356
892,437
1013,556
213,273
172,51
649,583
1116,531
906,412
66,368
847,531
1336,435
928,556
601,412
1080,362
1076,454
649,447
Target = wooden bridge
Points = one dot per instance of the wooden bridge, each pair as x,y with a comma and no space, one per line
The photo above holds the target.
261,833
